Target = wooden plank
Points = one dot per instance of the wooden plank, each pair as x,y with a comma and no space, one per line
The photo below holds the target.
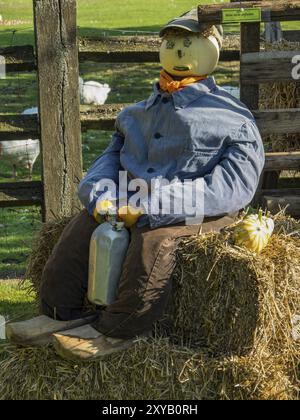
266,67
119,49
281,192
17,194
132,50
18,127
19,58
57,55
291,36
282,161
250,43
282,200
100,117
278,121
278,10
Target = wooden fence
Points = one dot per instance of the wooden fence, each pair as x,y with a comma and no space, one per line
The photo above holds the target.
56,60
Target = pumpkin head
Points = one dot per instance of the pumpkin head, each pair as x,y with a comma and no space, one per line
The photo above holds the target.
185,54
254,232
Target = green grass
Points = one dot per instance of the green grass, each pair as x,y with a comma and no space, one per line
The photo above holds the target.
96,16
17,227
15,303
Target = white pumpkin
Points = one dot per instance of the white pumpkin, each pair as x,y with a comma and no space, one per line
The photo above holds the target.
254,232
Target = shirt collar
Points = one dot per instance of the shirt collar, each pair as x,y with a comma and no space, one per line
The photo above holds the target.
186,96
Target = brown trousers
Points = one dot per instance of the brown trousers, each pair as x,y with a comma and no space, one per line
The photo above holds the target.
145,284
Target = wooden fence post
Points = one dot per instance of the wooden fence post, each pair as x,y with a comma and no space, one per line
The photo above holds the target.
59,107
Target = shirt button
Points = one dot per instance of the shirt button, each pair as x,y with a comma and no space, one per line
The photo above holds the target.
150,170
158,136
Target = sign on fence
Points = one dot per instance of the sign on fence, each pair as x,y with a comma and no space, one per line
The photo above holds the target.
2,67
241,15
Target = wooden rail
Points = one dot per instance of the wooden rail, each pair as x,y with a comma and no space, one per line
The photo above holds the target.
275,200
283,161
278,121
115,50
275,11
104,50
20,58
291,36
266,67
16,127
20,194
134,50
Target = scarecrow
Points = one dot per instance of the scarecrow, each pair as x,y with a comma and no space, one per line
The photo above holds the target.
188,129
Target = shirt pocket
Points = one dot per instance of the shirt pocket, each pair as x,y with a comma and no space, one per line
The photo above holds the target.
194,164
199,157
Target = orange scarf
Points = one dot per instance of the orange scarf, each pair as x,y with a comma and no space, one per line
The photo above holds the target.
168,84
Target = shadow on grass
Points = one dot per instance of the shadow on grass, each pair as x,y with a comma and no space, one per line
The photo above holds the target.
17,311
16,301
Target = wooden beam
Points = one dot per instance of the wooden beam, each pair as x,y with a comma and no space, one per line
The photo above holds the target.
269,121
17,194
57,55
281,192
277,11
291,36
282,199
100,117
18,127
250,43
278,121
119,49
19,58
266,67
132,49
282,161
103,117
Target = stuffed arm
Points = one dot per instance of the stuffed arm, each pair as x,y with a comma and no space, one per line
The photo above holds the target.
106,167
232,183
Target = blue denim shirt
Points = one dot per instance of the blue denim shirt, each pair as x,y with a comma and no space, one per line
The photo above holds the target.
200,131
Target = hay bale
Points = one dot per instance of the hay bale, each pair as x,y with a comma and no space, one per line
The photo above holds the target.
232,301
42,247
281,95
226,299
229,327
150,371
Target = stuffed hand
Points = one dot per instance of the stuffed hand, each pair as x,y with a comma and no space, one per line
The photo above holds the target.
102,210
129,215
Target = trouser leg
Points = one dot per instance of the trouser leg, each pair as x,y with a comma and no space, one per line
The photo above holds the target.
145,284
65,277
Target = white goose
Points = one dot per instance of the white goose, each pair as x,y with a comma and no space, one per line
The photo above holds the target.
21,153
93,93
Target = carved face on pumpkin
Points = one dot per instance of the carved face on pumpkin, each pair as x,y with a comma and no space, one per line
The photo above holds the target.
184,53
